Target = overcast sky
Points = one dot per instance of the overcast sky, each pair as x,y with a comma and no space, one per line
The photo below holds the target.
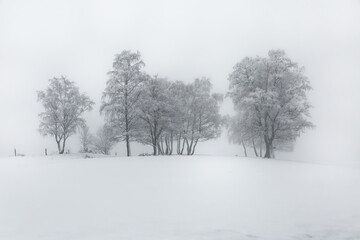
180,40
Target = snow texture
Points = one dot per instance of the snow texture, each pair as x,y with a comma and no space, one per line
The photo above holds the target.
176,197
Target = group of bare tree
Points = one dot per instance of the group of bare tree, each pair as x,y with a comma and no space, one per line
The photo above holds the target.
174,113
158,112
269,95
102,142
137,107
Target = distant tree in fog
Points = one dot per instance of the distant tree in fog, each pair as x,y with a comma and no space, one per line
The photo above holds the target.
86,139
177,130
155,112
202,120
104,140
242,130
269,95
63,106
174,111
194,115
121,95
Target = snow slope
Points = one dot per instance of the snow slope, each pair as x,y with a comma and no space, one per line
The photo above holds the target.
176,197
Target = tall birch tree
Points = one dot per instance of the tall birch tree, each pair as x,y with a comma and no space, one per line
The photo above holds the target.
121,95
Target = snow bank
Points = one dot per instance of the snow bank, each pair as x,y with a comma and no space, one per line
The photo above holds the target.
198,197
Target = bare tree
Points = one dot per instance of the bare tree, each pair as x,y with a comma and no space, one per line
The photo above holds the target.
155,112
242,130
179,96
121,95
173,110
104,140
272,93
64,106
202,117
86,139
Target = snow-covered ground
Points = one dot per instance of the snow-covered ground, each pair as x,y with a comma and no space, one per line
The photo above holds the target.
177,197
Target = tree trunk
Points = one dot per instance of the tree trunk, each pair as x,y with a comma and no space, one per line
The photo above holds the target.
159,151
154,149
59,147
161,145
178,141
127,139
189,146
243,144
183,146
268,146
255,151
193,150
171,144
63,146
166,151
266,135
154,142
58,144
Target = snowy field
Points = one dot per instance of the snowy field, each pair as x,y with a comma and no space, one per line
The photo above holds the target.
198,197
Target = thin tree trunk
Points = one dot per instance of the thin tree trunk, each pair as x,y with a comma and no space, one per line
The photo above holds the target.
243,144
160,151
158,147
256,154
171,144
59,146
183,146
62,149
193,150
266,135
58,143
153,142
63,145
154,147
161,143
189,146
178,141
166,145
127,139
268,147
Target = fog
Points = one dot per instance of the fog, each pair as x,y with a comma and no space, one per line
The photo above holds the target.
180,40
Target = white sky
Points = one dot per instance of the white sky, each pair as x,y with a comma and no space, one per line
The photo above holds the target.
180,40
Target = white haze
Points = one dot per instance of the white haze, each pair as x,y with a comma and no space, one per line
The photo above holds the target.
180,40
